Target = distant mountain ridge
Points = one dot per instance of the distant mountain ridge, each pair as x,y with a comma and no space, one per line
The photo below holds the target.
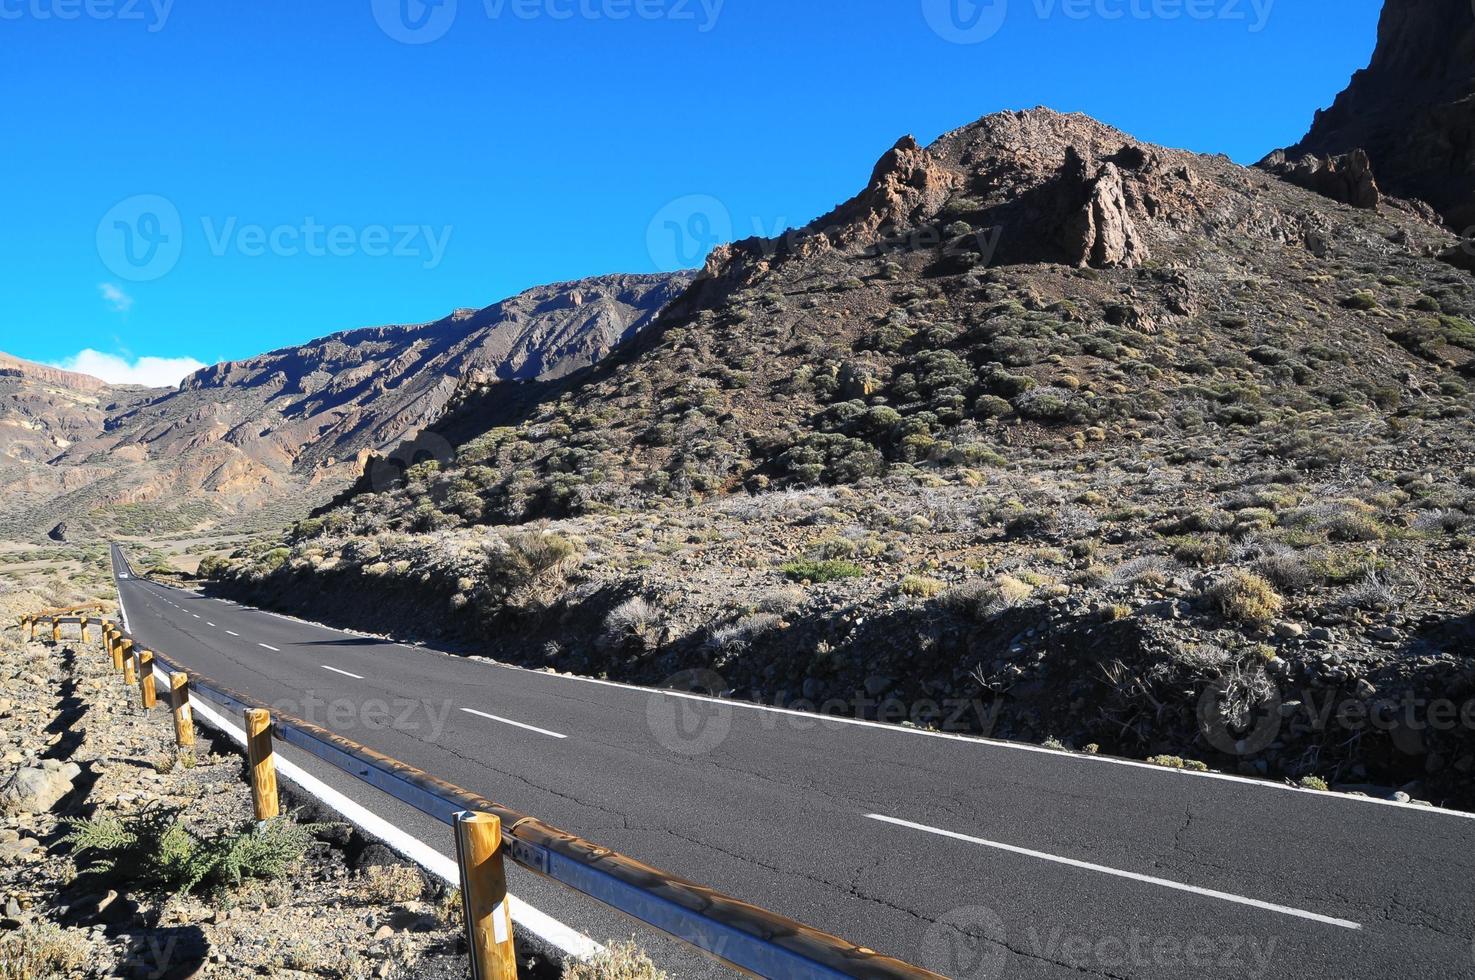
238,436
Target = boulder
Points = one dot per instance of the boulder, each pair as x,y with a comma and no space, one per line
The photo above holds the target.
37,790
1347,178
58,533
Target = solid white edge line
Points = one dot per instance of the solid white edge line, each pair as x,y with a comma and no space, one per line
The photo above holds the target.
817,719
515,724
357,677
1080,757
1131,875
269,647
545,927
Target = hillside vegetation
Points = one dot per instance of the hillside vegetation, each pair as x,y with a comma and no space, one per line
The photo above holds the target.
1094,438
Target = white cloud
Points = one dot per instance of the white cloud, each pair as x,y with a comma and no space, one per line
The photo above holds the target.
114,296
153,372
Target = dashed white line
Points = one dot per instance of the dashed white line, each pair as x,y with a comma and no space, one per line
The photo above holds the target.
357,677
208,623
269,647
233,633
515,724
1131,875
196,615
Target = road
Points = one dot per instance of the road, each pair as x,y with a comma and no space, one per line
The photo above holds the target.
969,857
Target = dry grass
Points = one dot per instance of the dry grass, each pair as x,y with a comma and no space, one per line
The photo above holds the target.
42,950
392,884
619,961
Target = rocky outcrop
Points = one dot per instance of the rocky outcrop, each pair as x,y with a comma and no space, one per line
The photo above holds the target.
1412,109
1102,233
1347,178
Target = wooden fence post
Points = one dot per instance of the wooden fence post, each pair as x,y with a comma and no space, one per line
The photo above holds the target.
184,722
146,690
56,629
115,649
32,624
263,763
84,631
125,649
484,896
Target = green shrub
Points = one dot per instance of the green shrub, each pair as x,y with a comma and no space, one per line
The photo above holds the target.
921,587
154,850
822,571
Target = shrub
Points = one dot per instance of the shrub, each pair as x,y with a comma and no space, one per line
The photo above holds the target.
153,849
633,617
1178,762
818,572
1245,597
1314,782
921,587
618,961
1361,300
392,884
39,950
983,599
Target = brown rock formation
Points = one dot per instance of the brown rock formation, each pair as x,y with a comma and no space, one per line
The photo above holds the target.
1412,109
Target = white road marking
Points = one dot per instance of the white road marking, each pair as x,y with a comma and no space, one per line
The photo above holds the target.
516,724
571,941
1131,875
232,633
357,677
269,647
208,623
195,615
816,718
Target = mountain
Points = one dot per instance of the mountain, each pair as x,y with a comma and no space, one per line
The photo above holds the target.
1093,440
1412,110
291,426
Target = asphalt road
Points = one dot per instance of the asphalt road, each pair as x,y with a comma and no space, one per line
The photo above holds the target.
971,858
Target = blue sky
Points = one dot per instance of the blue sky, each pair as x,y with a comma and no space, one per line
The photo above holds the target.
211,179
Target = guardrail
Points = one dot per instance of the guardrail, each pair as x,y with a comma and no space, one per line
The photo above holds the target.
752,939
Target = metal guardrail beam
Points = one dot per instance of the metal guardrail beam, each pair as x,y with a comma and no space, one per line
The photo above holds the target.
740,934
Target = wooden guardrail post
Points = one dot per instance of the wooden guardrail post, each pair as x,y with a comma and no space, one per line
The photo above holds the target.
146,691
115,649
484,896
56,629
125,650
32,624
184,722
263,763
84,630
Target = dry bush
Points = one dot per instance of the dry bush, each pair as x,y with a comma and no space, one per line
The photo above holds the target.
618,961
40,950
392,884
1245,597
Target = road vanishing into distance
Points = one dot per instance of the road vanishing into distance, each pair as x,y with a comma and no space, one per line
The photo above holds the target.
968,857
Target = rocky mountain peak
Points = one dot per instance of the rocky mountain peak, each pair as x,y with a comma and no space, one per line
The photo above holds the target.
1412,110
